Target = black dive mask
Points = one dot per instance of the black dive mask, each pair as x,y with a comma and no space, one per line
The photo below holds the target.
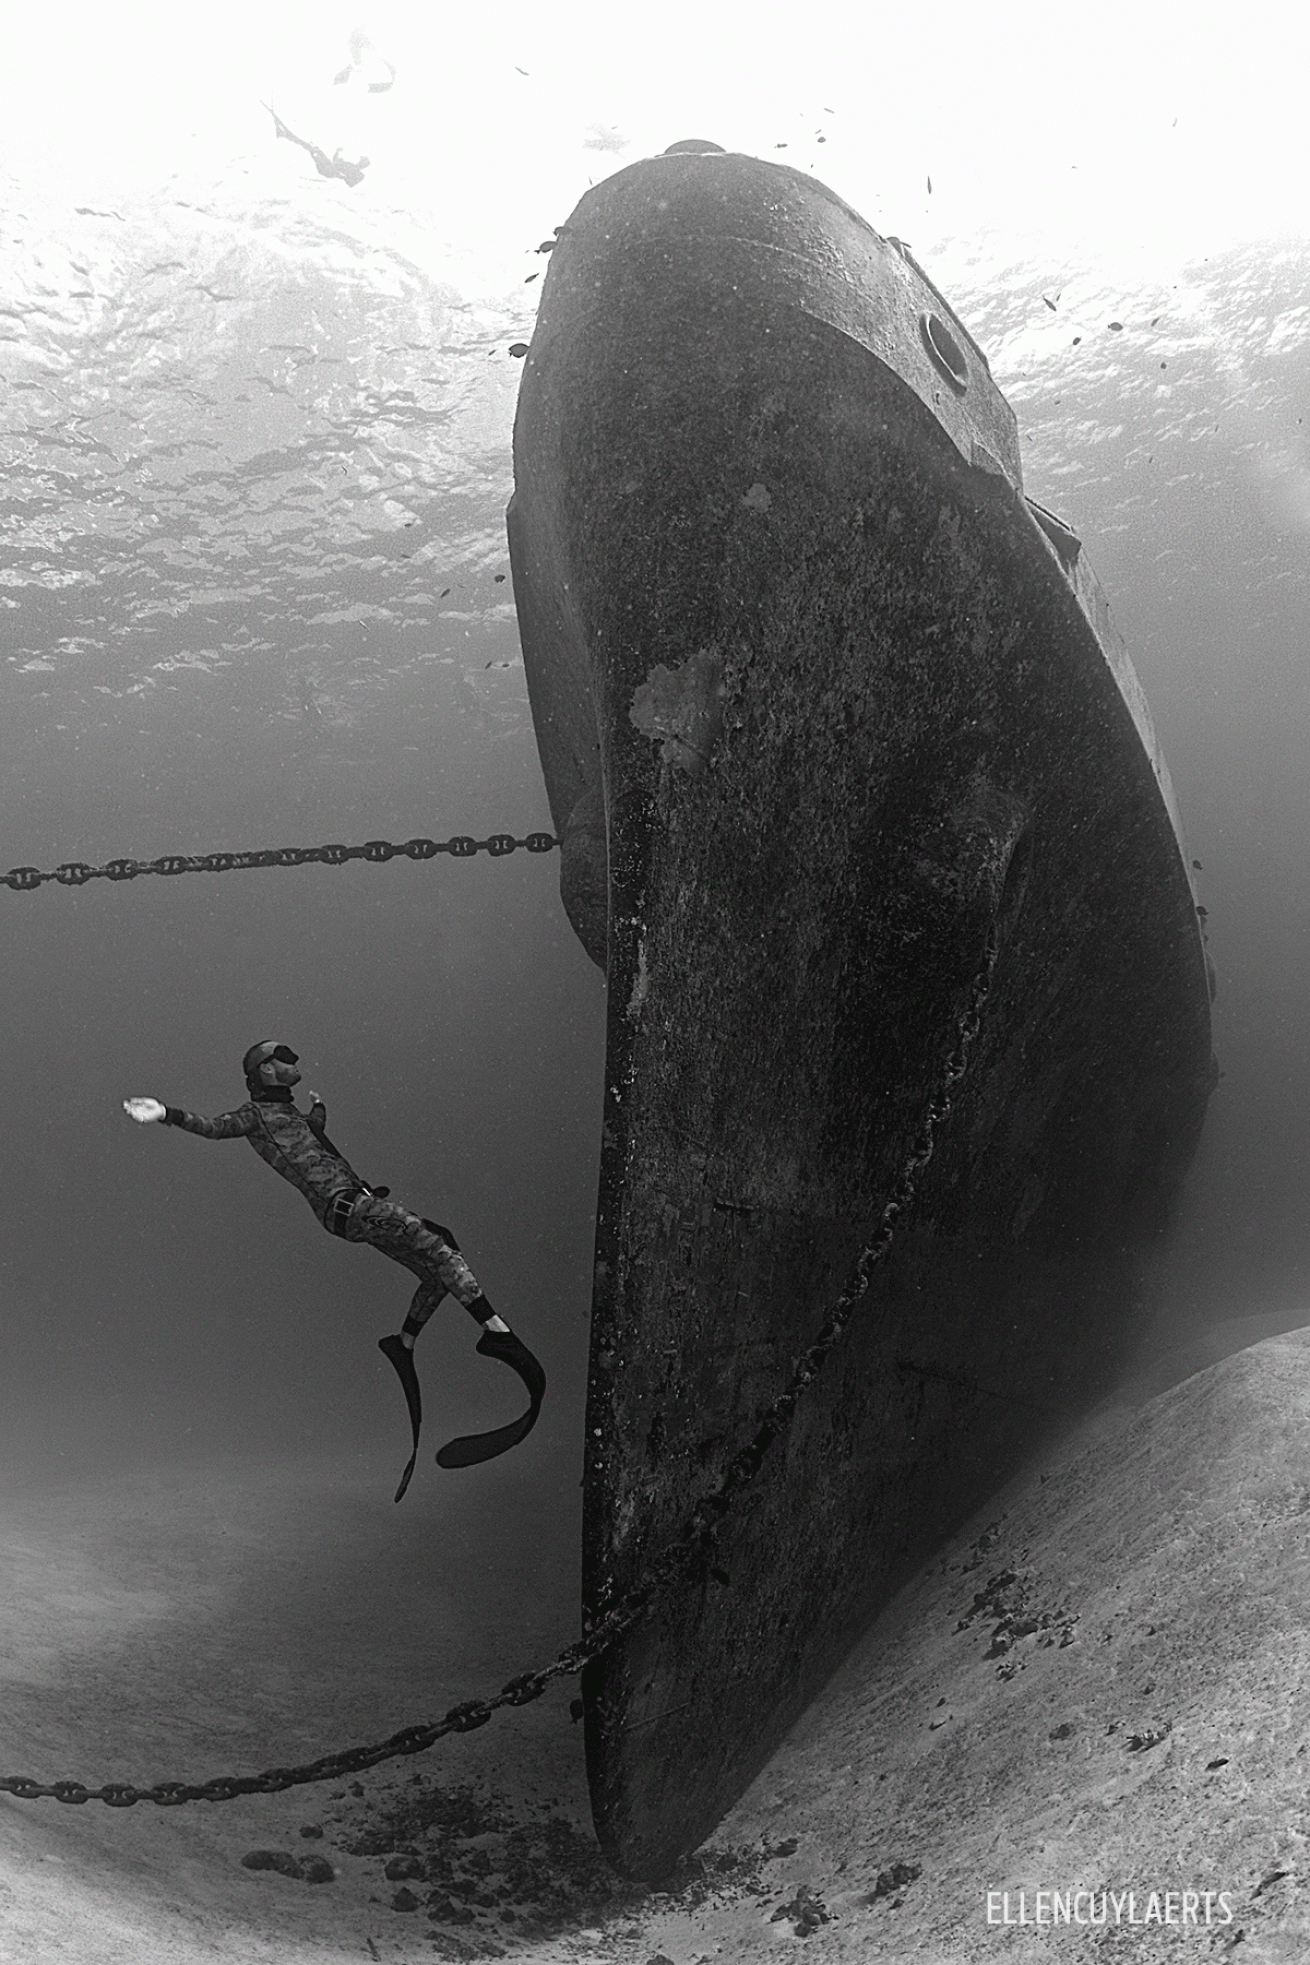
267,1053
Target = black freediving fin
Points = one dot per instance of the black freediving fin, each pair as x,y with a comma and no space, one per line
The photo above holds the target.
472,1448
402,1357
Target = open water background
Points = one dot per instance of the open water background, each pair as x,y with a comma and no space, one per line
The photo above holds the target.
254,591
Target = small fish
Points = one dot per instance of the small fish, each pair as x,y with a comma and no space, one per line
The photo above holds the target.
531,277
443,593
930,187
1049,302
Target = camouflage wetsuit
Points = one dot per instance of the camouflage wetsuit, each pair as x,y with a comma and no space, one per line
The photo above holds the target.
295,1144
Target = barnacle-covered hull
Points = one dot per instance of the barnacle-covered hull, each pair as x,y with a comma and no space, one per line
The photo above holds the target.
827,714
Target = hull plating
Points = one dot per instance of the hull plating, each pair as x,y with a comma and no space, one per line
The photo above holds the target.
822,705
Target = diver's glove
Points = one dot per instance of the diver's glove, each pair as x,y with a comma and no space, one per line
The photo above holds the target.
472,1448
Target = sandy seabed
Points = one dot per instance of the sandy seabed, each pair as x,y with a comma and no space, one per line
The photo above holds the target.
1102,1684
223,1618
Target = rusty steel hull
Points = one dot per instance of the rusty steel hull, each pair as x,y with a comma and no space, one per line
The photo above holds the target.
823,707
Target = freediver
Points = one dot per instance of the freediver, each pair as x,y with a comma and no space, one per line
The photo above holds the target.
295,1144
334,166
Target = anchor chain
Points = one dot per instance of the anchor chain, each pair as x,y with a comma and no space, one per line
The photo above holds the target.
76,873
681,1554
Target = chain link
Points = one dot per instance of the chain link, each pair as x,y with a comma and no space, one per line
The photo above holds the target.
76,873
681,1555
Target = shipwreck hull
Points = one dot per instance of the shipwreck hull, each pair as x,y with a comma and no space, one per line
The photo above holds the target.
826,713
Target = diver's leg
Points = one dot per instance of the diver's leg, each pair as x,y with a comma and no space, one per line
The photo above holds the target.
431,1252
426,1298
479,1309
412,1240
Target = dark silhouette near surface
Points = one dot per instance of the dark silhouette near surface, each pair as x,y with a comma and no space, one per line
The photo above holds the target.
334,166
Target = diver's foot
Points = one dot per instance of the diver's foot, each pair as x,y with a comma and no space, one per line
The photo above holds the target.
475,1447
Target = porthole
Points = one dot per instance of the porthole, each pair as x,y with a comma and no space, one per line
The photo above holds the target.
946,352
